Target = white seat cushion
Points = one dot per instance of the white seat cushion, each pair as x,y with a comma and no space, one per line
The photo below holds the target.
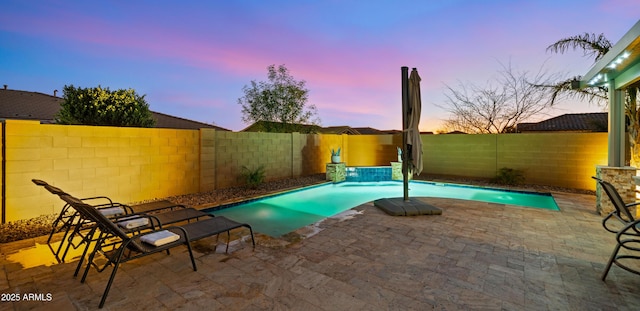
160,237
133,222
112,211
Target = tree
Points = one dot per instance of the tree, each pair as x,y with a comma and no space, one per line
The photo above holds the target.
592,45
597,46
498,107
281,102
100,106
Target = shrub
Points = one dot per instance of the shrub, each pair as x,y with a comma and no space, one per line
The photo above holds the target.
101,106
255,177
509,176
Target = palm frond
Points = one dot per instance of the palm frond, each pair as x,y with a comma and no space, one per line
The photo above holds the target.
591,44
562,89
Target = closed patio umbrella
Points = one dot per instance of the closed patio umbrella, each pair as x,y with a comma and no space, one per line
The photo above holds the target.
413,132
411,151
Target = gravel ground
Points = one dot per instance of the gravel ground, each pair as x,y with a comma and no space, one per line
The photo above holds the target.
39,226
222,196
25,229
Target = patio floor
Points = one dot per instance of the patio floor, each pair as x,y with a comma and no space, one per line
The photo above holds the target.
475,256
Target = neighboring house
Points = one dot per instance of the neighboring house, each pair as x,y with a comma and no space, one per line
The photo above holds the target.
23,105
570,122
338,130
277,127
455,132
372,131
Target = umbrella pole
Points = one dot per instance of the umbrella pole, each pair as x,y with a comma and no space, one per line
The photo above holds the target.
405,125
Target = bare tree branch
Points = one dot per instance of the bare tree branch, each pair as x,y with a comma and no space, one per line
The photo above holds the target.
497,108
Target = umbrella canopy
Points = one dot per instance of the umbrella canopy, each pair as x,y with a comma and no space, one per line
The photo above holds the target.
413,133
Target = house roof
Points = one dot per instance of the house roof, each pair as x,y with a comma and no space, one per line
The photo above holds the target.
267,126
367,130
338,130
26,105
570,122
373,131
169,121
279,127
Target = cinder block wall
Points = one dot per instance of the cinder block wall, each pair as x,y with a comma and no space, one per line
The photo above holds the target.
134,164
316,151
373,150
127,164
555,159
459,155
235,150
207,160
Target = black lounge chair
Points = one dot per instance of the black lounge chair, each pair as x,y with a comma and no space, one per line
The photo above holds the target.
621,210
126,247
113,243
72,224
627,229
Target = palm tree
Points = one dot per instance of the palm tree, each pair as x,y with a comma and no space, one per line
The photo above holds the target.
598,46
591,45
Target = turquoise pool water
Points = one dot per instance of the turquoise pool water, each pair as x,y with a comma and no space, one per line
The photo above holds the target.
281,214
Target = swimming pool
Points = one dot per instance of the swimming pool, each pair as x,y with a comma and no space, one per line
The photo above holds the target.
281,214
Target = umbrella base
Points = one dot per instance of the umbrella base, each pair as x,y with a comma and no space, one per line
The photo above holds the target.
400,207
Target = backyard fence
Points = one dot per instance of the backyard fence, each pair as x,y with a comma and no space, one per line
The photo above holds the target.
136,164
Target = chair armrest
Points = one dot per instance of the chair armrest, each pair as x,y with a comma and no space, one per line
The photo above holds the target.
632,204
170,208
631,228
629,236
155,206
606,220
98,198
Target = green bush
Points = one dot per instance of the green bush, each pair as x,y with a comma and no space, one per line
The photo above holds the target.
509,176
255,177
100,106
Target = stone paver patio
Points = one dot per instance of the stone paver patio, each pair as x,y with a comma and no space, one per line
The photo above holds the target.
475,256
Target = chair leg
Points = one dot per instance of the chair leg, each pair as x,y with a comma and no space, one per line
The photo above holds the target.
113,275
91,256
76,232
61,218
611,260
84,252
226,251
193,260
253,240
69,227
69,243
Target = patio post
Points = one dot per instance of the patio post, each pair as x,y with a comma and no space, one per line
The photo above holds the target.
616,126
405,127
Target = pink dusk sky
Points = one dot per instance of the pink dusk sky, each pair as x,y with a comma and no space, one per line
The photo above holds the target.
192,58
